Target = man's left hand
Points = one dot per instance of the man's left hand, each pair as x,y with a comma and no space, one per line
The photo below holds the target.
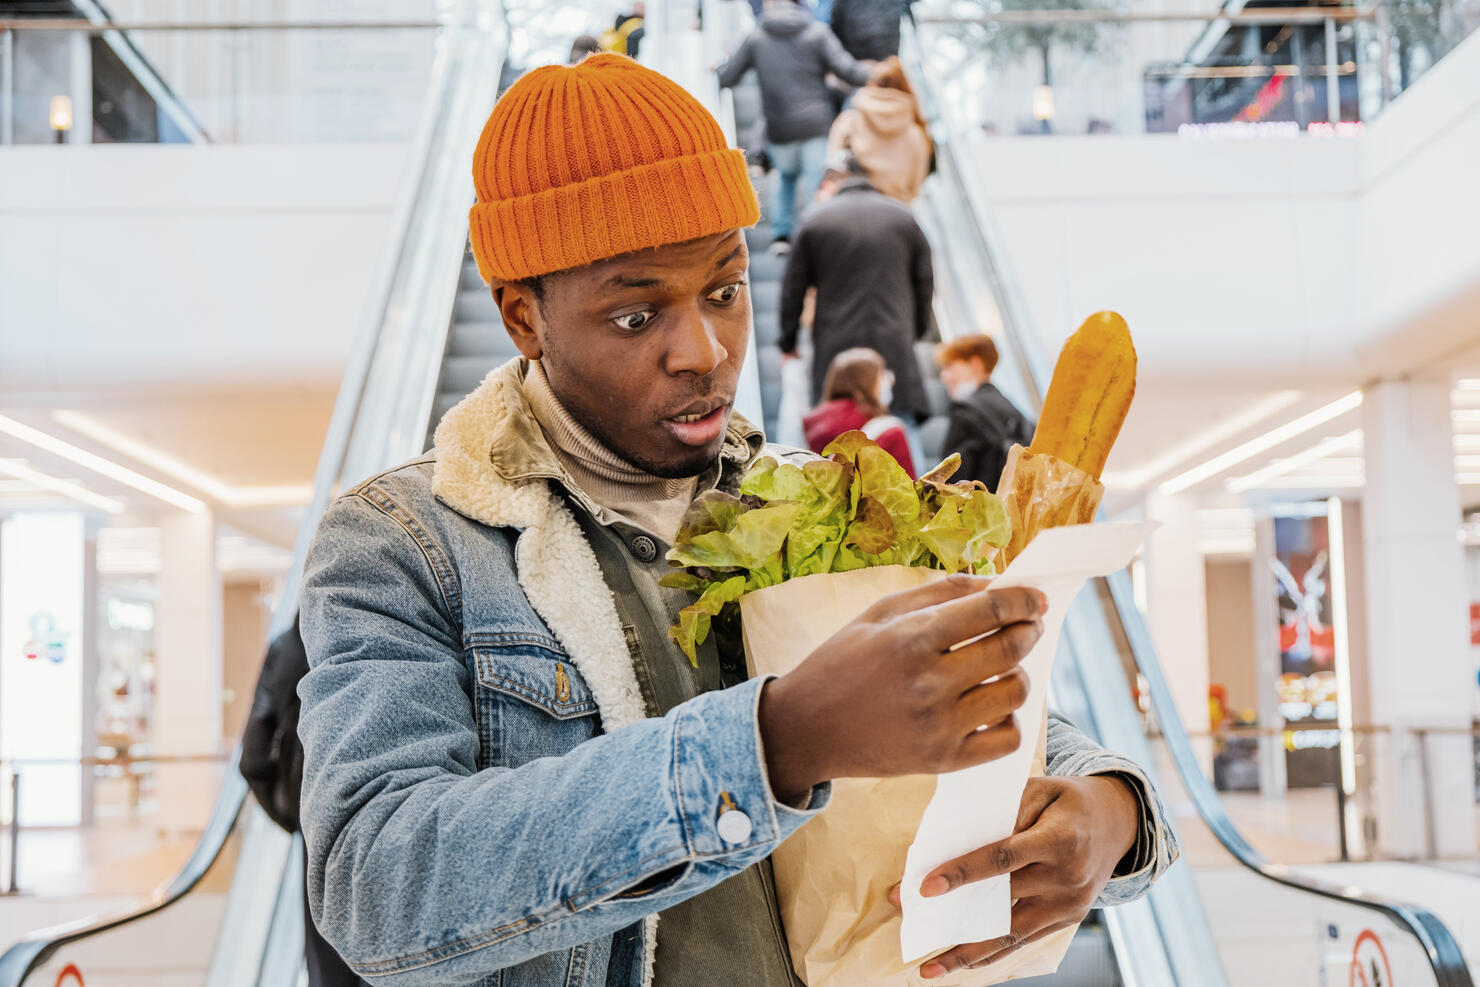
1070,835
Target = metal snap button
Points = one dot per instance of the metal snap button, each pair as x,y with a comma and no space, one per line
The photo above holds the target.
734,826
644,548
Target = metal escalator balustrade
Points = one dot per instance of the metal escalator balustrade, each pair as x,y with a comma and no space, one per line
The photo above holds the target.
1165,938
380,419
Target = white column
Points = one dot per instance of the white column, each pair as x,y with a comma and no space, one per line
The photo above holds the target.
1417,607
1177,611
187,674
1267,648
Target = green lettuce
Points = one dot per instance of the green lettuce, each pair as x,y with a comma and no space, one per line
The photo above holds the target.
852,509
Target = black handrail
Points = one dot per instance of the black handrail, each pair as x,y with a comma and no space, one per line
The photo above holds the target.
1440,947
1439,944
19,960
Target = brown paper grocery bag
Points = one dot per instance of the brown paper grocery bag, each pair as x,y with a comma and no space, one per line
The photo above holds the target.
833,876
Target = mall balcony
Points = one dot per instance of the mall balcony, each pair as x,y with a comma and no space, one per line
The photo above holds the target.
235,281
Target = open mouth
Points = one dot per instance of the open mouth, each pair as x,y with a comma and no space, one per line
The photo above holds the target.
698,426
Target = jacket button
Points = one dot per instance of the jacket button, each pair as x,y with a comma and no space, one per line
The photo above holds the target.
734,826
644,548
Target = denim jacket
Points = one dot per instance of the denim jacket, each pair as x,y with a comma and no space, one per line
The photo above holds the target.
484,800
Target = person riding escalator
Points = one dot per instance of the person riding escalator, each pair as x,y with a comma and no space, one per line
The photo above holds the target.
272,764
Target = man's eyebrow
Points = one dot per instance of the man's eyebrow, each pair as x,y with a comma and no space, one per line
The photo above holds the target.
623,281
729,256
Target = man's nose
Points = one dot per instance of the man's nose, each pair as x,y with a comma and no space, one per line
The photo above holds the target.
694,345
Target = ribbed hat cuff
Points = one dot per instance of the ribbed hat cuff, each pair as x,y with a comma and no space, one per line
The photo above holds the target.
652,205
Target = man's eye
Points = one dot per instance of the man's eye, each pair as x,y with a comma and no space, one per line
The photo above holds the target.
634,321
727,293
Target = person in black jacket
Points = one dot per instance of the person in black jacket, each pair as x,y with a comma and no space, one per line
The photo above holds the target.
868,29
983,423
272,763
870,263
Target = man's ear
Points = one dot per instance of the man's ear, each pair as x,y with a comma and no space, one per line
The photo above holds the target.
521,313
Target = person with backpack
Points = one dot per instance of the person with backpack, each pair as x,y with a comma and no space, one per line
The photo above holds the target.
856,395
984,424
272,763
792,55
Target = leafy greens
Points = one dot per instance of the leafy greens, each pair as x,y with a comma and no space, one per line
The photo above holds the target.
852,509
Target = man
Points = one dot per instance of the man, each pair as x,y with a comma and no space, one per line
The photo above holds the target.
627,31
868,29
510,770
870,263
984,425
792,55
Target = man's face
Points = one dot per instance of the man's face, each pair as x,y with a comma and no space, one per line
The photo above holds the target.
644,350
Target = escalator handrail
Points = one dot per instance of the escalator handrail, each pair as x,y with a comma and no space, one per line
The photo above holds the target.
27,954
1440,947
34,949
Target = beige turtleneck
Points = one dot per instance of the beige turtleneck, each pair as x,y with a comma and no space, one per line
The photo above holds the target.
652,503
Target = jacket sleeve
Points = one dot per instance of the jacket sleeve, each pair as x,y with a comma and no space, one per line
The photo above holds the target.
425,870
1072,754
963,438
922,278
732,70
794,285
837,59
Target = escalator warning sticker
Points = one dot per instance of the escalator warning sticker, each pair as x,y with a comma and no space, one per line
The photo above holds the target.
1369,966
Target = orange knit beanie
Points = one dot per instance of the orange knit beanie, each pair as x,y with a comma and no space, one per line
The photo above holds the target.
581,163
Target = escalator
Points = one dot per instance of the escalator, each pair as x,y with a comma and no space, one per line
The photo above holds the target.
431,335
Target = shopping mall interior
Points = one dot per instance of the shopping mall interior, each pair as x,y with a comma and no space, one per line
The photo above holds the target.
235,281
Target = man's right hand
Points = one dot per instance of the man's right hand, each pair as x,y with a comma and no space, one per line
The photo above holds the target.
887,696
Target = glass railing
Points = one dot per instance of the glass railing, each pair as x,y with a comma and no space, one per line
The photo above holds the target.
1239,70
243,924
97,80
1167,938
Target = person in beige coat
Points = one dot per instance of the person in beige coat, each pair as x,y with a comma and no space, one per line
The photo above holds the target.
885,132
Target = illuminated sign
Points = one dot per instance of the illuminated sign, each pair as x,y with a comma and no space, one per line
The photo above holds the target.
42,563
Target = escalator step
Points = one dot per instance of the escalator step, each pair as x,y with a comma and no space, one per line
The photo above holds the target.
765,266
767,330
765,296
475,305
470,278
485,339
461,374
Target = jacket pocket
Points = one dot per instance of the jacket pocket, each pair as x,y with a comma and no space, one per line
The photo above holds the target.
531,703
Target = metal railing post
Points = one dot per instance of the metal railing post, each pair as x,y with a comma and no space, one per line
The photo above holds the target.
1333,82
1426,779
1341,820
7,87
13,885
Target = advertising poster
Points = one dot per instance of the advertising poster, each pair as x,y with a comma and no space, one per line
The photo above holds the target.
1307,641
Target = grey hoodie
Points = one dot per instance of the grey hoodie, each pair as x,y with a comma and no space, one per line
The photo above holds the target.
792,55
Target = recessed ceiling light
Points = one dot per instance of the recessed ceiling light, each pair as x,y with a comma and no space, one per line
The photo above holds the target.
98,464
1262,443
233,496
71,489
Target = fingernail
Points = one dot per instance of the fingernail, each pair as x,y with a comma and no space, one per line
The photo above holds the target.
932,970
932,887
